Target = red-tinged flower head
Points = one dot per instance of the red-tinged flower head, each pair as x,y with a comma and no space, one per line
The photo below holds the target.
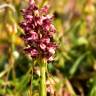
38,32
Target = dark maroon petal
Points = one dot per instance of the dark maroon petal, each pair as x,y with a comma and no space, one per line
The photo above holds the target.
46,21
28,50
47,26
52,44
32,6
38,20
23,24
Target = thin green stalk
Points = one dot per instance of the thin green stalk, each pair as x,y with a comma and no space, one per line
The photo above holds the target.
31,80
43,78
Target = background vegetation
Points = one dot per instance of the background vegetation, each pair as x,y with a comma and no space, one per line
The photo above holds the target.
73,73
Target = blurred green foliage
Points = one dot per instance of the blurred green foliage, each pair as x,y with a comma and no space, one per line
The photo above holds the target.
73,72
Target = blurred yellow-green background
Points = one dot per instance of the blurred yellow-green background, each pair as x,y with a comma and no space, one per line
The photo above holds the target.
73,72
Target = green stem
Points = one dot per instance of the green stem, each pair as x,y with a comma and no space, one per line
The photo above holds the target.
43,78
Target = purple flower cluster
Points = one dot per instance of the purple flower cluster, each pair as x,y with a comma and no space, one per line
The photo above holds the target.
38,32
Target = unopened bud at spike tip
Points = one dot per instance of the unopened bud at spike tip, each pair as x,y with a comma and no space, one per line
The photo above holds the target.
31,2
